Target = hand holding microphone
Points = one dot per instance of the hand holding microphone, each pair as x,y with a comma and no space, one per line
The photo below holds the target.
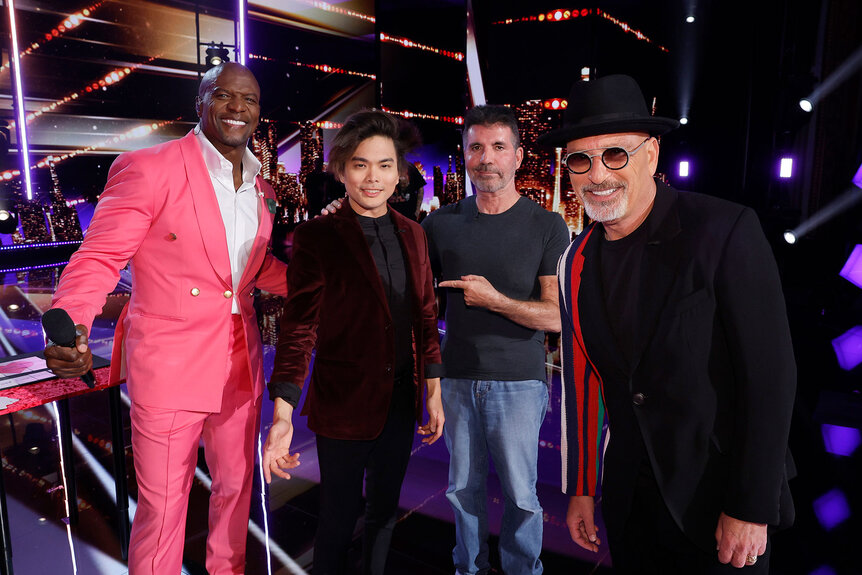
67,354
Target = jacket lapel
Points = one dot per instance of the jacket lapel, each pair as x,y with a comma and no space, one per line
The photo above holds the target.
658,268
261,239
412,257
206,208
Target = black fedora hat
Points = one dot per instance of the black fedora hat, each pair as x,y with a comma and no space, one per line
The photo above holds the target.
607,105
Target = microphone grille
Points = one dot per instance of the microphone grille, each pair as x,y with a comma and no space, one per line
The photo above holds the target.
58,326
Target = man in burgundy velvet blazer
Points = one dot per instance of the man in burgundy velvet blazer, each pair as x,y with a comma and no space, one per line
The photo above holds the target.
352,339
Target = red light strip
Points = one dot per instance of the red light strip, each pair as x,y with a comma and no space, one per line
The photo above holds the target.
327,7
320,67
70,23
407,43
408,114
138,132
563,15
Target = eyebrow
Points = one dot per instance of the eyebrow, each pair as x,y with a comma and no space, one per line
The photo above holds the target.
217,88
622,145
367,161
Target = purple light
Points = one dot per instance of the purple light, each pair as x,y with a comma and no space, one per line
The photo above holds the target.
684,167
852,270
857,179
785,168
42,245
831,509
243,53
28,268
21,124
848,348
840,440
823,570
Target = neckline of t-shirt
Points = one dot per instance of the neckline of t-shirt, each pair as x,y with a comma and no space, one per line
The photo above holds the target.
510,210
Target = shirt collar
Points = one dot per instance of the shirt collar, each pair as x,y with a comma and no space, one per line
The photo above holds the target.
216,162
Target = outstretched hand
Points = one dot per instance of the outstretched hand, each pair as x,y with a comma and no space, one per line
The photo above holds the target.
277,458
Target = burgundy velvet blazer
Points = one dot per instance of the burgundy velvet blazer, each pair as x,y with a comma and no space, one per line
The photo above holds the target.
337,306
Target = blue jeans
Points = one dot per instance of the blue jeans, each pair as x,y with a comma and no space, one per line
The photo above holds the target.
500,418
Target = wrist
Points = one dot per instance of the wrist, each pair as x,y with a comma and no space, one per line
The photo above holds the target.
282,410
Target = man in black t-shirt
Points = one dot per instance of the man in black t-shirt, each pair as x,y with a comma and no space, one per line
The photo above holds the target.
496,254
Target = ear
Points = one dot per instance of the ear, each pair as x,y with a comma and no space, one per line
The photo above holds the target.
519,157
652,155
198,102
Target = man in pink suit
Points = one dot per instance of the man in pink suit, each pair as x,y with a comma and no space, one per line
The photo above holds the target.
193,221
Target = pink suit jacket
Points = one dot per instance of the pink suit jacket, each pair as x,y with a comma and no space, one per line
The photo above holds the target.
159,214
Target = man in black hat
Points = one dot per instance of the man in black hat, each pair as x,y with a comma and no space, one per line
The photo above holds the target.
675,334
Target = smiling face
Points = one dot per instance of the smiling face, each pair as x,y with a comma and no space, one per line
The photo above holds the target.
620,199
229,107
370,176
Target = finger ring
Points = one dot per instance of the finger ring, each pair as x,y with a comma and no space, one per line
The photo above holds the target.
751,559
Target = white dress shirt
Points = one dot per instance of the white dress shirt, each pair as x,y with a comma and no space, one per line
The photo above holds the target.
239,208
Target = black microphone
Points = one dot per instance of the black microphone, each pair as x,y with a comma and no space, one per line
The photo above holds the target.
61,331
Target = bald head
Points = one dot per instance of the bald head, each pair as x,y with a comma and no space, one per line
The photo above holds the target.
211,76
228,106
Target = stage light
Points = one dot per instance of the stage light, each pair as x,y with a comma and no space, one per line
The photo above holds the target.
848,348
683,120
839,205
831,509
844,71
690,19
242,48
683,169
216,55
21,129
785,169
852,270
790,237
8,221
840,440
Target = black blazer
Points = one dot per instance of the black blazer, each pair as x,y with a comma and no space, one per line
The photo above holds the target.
711,384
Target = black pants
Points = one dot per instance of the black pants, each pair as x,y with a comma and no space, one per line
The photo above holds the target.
343,463
652,543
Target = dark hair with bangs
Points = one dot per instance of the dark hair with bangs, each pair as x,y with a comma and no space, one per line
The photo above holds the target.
367,124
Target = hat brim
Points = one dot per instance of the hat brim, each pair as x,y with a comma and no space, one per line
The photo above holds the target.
652,125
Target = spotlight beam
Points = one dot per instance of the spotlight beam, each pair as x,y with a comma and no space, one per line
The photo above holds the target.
845,201
835,79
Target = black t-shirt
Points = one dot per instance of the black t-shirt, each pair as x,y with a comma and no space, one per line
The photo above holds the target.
621,264
511,250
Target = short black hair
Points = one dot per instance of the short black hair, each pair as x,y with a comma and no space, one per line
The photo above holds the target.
367,124
488,115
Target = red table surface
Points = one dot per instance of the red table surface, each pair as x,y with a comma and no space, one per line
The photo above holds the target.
42,392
